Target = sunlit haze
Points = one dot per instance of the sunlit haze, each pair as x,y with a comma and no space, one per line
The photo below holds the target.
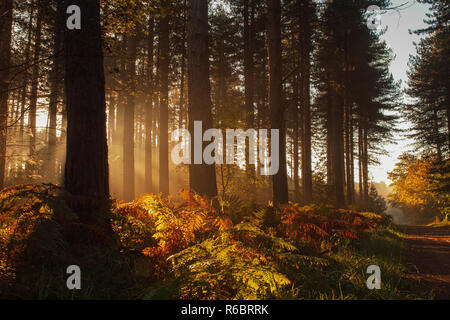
398,38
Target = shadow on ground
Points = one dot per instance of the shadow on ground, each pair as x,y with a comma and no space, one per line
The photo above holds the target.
429,251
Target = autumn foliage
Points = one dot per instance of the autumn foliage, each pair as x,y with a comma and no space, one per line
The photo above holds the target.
421,187
185,246
221,253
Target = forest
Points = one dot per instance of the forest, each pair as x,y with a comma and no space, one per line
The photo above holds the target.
217,149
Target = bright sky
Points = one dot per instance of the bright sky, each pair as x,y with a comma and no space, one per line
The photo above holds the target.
401,42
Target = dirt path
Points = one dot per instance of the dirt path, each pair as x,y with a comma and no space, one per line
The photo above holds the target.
429,251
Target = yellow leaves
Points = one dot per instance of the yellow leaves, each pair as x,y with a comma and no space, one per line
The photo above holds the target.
371,215
223,223
45,209
413,189
262,280
178,224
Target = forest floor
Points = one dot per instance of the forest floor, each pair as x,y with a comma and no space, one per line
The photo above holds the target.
428,249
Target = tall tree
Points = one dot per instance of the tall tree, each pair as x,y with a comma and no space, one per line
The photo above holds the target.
249,63
358,89
164,48
149,109
305,19
55,89
182,103
86,169
280,185
35,85
429,83
26,61
6,14
129,120
202,177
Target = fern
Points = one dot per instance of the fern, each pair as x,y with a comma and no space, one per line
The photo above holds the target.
243,257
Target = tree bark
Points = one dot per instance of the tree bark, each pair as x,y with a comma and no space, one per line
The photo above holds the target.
360,160
128,120
202,177
34,87
339,154
348,124
365,163
296,137
86,169
335,145
111,116
280,185
249,72
6,14
25,78
330,128
448,116
164,100
54,95
183,113
305,48
149,111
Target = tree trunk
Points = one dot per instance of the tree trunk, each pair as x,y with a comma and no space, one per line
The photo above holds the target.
164,100
305,48
306,109
86,169
54,95
296,137
360,160
25,78
330,128
6,9
34,87
335,144
128,121
249,72
183,114
352,158
280,185
202,177
348,137
365,164
149,111
339,154
448,117
111,116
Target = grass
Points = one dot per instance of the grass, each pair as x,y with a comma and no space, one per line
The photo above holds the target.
346,278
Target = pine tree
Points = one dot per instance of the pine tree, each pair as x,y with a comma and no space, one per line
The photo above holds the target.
6,14
163,72
429,84
280,184
149,108
129,118
357,93
86,170
202,177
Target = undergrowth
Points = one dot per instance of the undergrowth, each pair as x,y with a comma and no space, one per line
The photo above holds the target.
190,248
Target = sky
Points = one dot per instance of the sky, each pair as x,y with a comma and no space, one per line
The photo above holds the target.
402,43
